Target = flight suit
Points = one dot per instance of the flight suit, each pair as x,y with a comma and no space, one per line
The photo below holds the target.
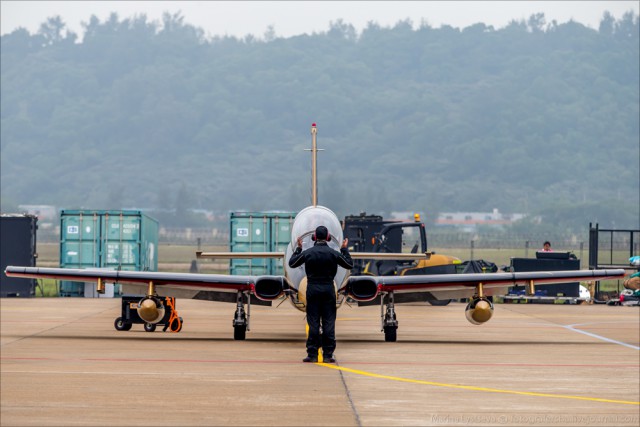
321,265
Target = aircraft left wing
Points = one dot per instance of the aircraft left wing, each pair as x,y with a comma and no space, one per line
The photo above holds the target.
445,286
266,288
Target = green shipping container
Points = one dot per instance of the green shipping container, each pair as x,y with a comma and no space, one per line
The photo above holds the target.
259,232
124,240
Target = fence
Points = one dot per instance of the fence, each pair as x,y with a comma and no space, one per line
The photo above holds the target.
529,242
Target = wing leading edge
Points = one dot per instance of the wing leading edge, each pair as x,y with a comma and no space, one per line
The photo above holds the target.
365,288
264,287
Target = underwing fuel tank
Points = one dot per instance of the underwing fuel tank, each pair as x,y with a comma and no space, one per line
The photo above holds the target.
151,310
479,311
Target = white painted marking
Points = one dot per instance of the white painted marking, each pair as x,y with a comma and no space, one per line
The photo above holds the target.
572,328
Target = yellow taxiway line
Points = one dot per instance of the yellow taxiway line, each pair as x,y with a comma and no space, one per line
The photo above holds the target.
468,387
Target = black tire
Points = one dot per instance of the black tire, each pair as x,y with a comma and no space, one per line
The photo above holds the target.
121,325
174,325
240,332
150,327
390,334
439,302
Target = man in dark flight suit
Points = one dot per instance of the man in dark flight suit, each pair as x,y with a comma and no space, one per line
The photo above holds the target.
321,265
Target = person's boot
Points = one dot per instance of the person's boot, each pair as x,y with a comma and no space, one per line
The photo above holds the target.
329,359
310,359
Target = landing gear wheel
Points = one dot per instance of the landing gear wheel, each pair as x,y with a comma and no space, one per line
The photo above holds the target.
150,327
121,325
390,334
239,332
176,325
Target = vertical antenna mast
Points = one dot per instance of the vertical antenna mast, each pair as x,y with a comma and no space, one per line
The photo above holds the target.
314,165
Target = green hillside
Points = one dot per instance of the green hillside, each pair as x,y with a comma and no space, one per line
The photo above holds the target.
536,117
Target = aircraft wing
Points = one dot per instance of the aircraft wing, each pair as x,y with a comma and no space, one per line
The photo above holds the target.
266,288
239,255
354,255
445,286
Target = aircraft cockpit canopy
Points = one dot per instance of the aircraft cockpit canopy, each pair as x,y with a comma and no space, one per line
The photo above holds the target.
308,219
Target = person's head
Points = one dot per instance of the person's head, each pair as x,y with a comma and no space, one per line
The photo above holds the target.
547,245
321,234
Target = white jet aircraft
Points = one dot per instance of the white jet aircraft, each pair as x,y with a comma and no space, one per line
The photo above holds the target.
240,289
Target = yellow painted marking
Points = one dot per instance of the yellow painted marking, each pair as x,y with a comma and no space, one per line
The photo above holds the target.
468,387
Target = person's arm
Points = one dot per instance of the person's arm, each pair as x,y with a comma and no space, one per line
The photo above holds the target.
297,259
344,260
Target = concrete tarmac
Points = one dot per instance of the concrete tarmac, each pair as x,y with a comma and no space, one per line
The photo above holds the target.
63,363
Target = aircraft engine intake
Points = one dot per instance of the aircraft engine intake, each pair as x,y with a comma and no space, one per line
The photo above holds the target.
269,287
151,310
362,288
479,311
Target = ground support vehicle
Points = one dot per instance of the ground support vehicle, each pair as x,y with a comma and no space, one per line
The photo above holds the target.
130,303
371,233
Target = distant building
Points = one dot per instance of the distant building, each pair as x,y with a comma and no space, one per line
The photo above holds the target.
469,221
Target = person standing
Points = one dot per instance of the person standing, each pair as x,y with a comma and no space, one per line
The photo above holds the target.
321,265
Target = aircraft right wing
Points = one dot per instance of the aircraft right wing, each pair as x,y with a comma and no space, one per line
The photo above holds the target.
443,286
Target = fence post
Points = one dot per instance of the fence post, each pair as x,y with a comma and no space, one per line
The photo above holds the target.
526,249
581,249
472,245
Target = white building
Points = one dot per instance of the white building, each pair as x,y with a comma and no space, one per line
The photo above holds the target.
469,221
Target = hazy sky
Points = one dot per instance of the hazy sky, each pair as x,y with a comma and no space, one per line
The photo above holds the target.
239,18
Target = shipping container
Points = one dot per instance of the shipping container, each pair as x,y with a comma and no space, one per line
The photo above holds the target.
259,232
17,247
118,240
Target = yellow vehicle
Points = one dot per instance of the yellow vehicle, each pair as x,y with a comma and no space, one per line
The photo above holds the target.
370,233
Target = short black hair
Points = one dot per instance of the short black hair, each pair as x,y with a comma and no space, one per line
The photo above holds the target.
321,232
547,243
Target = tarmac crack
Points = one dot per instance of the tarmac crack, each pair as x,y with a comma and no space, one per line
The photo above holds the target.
348,393
54,327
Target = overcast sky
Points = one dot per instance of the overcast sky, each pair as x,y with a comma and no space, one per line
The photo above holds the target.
239,18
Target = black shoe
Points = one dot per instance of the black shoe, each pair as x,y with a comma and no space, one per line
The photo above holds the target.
329,359
310,359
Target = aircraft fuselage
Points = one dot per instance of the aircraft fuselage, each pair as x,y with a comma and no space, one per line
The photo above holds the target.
304,226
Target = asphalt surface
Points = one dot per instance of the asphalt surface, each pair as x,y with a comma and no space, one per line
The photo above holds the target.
63,363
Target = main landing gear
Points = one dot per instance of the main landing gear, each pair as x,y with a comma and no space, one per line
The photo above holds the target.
241,317
388,317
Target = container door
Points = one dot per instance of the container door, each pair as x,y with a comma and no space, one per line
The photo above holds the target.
249,233
120,243
149,244
79,247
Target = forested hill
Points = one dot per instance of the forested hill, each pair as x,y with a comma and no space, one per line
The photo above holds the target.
535,117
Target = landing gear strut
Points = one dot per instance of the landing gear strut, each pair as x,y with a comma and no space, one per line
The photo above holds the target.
241,318
389,321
